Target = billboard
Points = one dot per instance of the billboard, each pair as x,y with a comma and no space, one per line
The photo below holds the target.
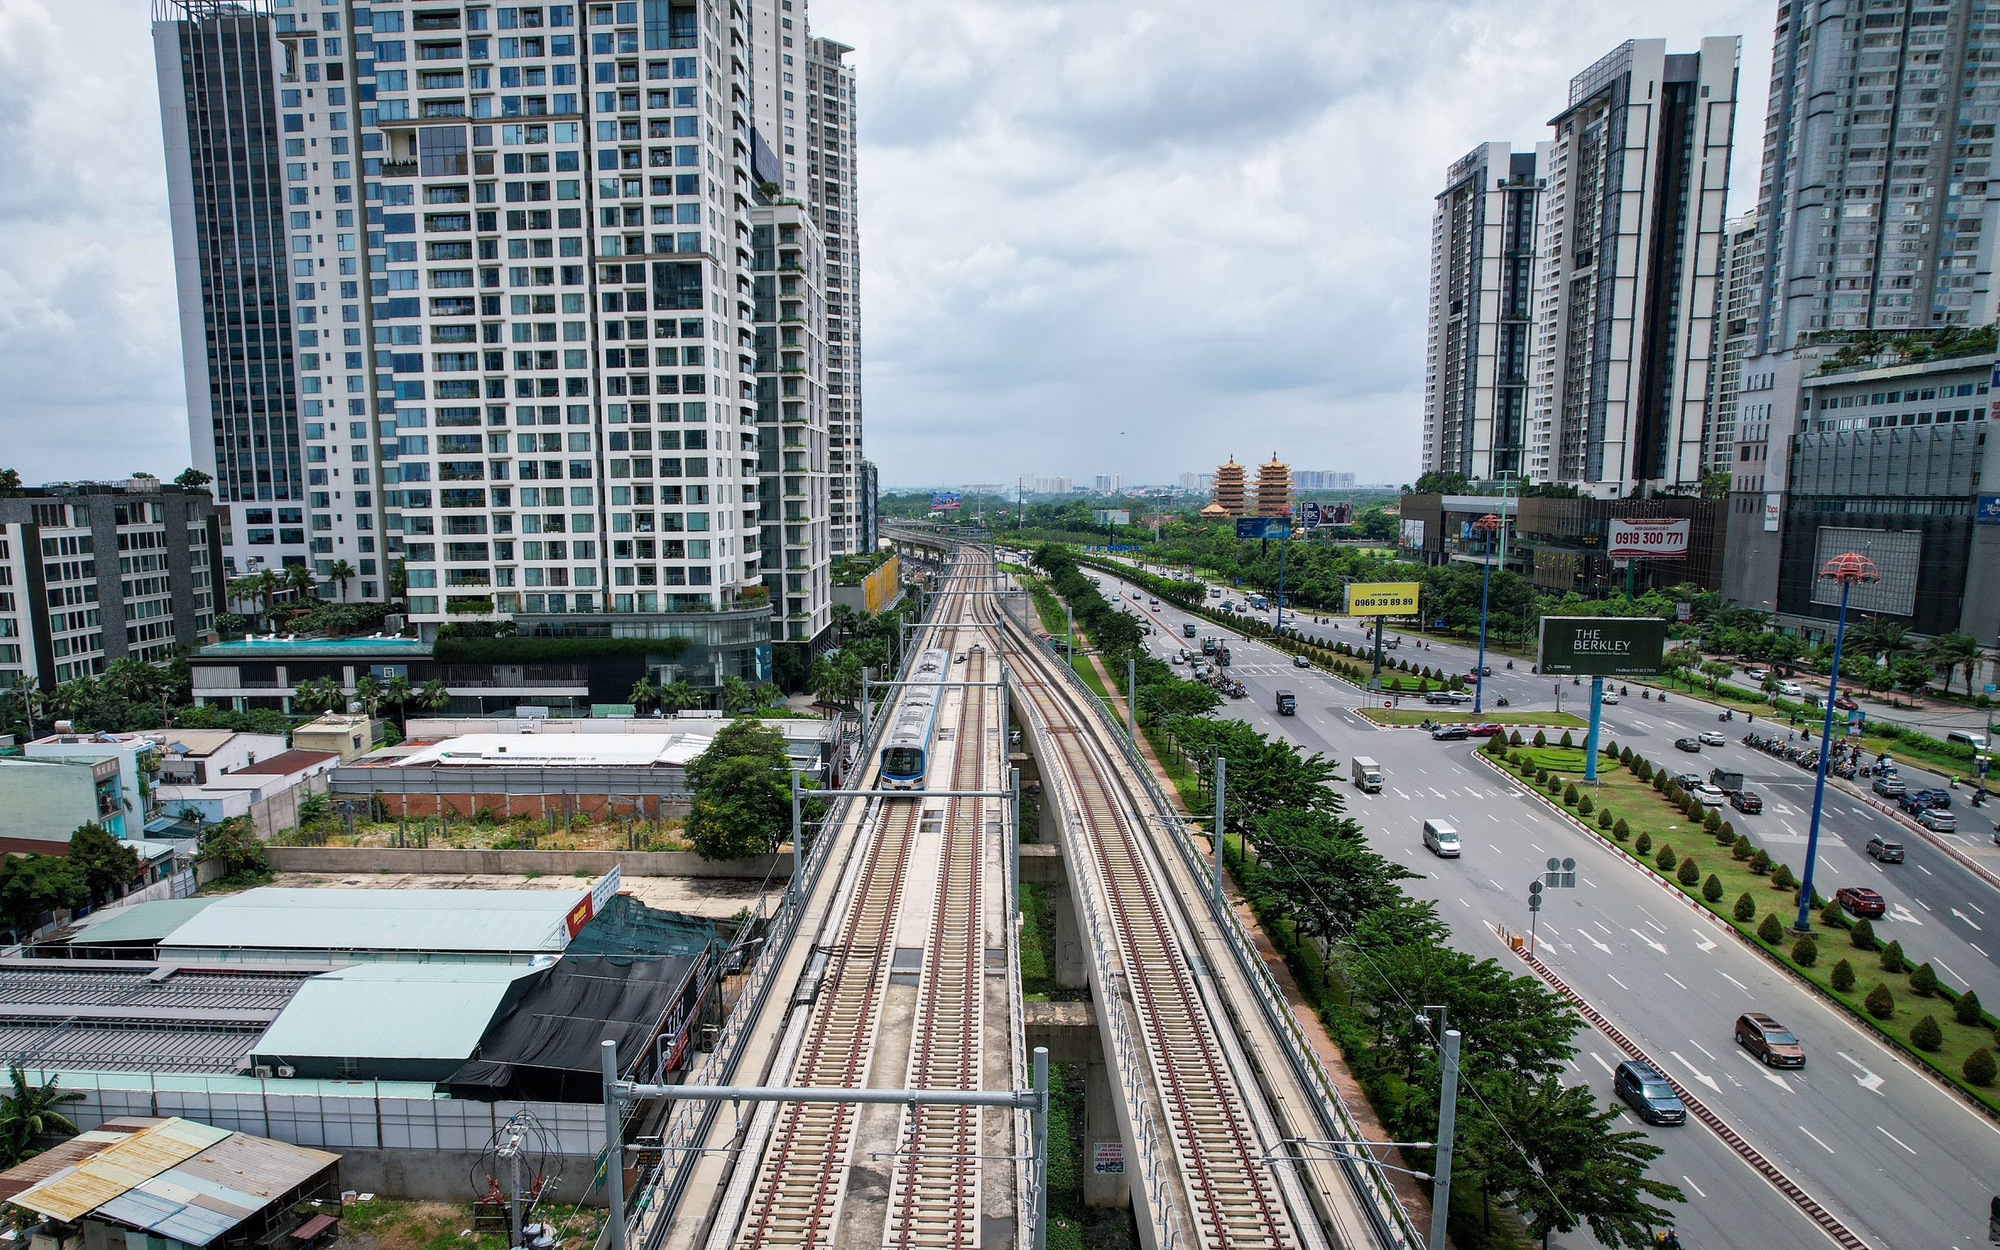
1599,646
1263,527
944,501
1312,515
1647,539
1382,599
1413,533
1989,511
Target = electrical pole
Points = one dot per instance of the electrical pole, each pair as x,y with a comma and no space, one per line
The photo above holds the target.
1221,782
1447,1129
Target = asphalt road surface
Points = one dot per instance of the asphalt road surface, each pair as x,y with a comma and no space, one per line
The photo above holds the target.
1904,1163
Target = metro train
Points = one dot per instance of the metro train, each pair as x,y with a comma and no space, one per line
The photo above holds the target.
906,750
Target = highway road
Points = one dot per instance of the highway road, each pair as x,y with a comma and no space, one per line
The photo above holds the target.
1903,1162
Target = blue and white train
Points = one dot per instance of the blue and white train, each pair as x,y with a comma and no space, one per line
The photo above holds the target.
906,749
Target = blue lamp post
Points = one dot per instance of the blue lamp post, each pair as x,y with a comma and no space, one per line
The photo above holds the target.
1847,570
1488,525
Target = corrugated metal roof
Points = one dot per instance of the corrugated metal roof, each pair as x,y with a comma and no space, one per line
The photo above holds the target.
118,1168
191,1182
65,1155
509,921
392,1011
287,762
141,922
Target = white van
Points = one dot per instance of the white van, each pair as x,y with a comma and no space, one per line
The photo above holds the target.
1441,839
1966,738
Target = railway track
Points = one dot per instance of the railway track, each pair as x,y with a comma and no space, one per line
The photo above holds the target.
800,1190
1232,1198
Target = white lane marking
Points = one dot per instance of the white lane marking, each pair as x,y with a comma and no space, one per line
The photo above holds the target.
1900,912
1676,980
1463,903
1982,954
1928,873
1976,907
1702,942
1601,1063
1695,1072
1892,1137
1649,941
1822,1145
1620,984
1921,903
1867,1080
1766,1072
1733,981
1703,1049
1538,850
1967,919
1947,967
1691,1185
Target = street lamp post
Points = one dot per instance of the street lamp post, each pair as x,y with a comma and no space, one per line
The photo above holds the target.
1847,570
1488,525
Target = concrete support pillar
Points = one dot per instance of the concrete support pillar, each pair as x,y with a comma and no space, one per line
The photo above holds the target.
1071,956
1102,1145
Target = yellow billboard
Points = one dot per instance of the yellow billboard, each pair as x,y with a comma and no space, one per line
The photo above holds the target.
1382,599
879,589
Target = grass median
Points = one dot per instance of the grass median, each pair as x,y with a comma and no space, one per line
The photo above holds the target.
1532,720
1757,894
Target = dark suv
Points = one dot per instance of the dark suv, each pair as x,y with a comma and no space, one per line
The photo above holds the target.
1770,1041
1647,1092
1883,851
1747,801
1450,733
1888,787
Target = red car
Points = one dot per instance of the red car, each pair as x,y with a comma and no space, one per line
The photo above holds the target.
1482,730
1846,704
1860,901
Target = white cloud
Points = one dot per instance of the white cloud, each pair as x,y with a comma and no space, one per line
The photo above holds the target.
1096,237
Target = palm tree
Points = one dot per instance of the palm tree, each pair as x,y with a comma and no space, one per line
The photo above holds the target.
268,585
644,694
300,581
132,680
69,700
844,618
244,590
341,573
317,695
367,693
31,1112
677,697
433,696
1947,653
397,693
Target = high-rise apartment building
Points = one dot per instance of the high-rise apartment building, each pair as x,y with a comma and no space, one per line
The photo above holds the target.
1481,314
92,572
1876,203
509,255
1637,176
1736,322
832,146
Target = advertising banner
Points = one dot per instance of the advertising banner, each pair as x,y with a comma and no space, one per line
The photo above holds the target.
1413,533
1382,599
1989,510
1312,515
944,501
1660,540
1598,646
1249,527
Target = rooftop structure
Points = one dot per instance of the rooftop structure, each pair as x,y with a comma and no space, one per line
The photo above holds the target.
96,1016
273,924
556,751
183,1182
389,1021
1228,491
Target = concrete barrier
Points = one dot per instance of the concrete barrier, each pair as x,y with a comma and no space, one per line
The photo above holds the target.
447,861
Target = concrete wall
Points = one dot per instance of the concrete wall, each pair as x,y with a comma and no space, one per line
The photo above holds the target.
465,804
339,859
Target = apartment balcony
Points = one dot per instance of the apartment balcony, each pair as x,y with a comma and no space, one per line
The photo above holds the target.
399,169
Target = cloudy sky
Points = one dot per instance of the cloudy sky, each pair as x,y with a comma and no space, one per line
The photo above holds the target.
1098,236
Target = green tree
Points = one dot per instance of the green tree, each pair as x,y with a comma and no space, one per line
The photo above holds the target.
677,697
1316,870
1880,1002
741,810
1979,1067
1947,653
367,693
193,479
107,864
1924,980
34,885
1843,976
1967,1010
30,1114
234,846
1805,951
299,579
1893,959
432,696
396,693
340,574
1771,931
1579,1169
1926,1034
644,695
738,696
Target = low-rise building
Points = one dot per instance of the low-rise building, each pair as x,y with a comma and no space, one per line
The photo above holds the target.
130,753
266,790
43,802
349,737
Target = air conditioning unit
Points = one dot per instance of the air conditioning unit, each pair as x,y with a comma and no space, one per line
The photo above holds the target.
262,1071
287,1071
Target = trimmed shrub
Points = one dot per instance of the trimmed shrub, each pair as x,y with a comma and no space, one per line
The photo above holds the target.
1927,1035
1645,770
1690,873
1746,909
1604,818
1541,776
1923,979
1832,917
1728,831
1620,830
1644,846
1741,848
1880,1002
1712,822
1666,859
1610,749
1805,951
1541,739
1760,863
1514,739
1660,782
1979,1067
1772,931
1843,976
1555,786
1565,742
1862,935
1625,757
1966,1010
1571,794
1782,878
1892,958
1585,805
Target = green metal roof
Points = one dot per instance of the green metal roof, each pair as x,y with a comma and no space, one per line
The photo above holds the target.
394,1011
141,922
